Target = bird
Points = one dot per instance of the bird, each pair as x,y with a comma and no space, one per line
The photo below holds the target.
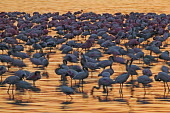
110,70
144,79
2,71
81,76
34,76
67,90
104,63
165,69
105,81
24,85
163,76
11,80
121,79
147,72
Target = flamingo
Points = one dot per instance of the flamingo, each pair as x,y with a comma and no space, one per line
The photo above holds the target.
11,80
165,69
34,76
82,75
144,79
24,85
163,76
67,90
105,81
2,71
147,72
121,79
103,64
110,70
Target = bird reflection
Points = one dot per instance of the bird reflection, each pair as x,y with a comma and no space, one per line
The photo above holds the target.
102,98
143,100
11,96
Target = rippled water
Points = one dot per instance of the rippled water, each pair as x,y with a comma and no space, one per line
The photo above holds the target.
51,100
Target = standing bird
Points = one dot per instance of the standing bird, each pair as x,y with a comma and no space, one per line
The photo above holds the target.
34,76
123,77
105,81
163,76
103,64
24,85
11,80
144,79
82,75
2,71
147,72
67,90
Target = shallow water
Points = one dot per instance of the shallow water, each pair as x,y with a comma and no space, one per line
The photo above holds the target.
51,100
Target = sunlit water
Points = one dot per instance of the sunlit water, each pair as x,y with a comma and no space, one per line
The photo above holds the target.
51,100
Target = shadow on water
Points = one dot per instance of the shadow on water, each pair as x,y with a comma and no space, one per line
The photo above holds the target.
164,97
19,99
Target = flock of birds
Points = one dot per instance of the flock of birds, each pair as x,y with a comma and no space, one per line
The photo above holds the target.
86,40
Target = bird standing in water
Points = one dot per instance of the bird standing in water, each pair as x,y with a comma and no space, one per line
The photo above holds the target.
105,81
144,79
67,90
11,80
34,77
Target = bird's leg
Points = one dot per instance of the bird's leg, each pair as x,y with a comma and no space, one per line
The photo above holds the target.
144,89
82,85
107,90
12,89
1,78
33,83
71,82
91,73
95,87
164,87
167,86
70,96
120,88
8,88
104,89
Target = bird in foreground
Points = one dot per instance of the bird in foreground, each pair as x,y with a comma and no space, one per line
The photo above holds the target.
11,80
124,77
105,81
163,76
67,90
34,76
24,85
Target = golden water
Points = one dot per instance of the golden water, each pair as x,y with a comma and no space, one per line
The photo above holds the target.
51,100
